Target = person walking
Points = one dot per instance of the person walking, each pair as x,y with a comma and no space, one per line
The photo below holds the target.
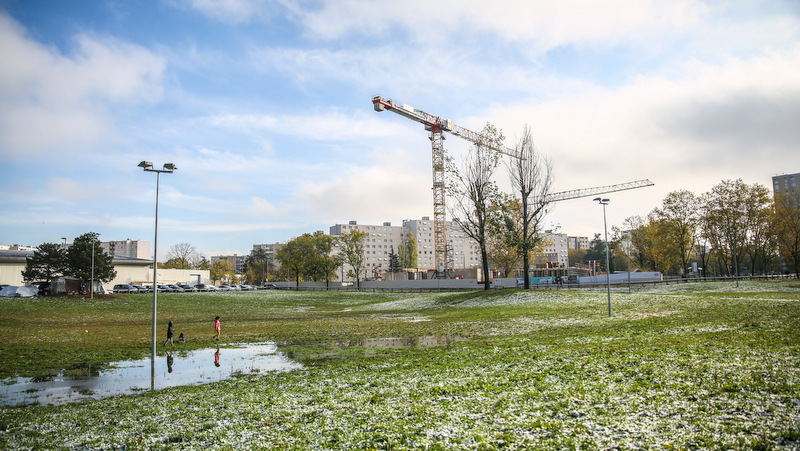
217,328
169,335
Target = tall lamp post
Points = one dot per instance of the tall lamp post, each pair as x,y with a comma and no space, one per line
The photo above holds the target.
604,202
91,289
168,168
628,235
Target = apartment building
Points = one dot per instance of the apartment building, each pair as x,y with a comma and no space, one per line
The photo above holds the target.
556,252
578,242
236,261
786,183
382,239
128,248
269,248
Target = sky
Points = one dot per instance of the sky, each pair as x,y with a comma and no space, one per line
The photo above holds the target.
265,108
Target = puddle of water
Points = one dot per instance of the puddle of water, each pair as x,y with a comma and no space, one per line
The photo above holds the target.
407,342
176,368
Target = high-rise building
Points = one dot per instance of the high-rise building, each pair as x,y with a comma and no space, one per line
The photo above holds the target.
577,242
786,183
128,248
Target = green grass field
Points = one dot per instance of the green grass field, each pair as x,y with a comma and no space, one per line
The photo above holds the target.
703,366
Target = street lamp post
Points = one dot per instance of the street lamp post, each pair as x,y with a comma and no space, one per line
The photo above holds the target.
91,287
604,202
168,168
629,262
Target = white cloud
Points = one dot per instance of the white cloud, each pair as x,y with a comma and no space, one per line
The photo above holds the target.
544,24
55,101
396,183
689,129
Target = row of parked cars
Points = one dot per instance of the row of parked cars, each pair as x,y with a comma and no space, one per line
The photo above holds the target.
174,288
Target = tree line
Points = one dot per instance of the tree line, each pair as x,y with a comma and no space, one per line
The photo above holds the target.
732,229
84,259
317,257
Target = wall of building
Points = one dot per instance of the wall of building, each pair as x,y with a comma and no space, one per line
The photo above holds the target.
786,183
135,271
11,273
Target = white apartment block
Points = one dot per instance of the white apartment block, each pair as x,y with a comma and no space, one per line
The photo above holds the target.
128,248
557,249
381,239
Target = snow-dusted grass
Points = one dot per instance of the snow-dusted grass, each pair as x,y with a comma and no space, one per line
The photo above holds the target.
671,369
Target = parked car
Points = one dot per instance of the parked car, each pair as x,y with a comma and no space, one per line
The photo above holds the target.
142,288
176,288
189,288
244,287
165,288
270,286
206,287
125,288
226,288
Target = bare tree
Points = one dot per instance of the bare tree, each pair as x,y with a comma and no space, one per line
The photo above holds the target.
531,179
183,255
474,192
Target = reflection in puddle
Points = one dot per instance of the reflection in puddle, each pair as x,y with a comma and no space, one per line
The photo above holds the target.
407,342
176,368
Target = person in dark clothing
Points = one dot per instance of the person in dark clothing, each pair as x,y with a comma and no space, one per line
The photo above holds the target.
169,335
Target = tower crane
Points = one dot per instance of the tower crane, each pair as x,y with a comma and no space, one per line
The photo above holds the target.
436,126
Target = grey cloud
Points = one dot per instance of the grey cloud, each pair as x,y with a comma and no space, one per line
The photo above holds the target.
746,121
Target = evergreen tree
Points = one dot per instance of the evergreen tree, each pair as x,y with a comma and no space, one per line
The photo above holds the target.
394,262
82,266
47,263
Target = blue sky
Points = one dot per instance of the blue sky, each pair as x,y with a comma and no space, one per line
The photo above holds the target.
265,107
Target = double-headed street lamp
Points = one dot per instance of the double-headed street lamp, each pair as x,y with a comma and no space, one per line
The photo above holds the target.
604,202
168,168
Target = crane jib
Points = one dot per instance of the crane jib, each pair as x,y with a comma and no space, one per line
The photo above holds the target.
438,123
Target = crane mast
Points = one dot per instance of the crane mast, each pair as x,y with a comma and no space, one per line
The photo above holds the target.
436,125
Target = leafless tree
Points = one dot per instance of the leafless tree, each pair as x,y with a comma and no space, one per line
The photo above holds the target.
183,255
531,179
473,192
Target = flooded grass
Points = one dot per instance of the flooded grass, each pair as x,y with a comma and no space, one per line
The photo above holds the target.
176,368
674,368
